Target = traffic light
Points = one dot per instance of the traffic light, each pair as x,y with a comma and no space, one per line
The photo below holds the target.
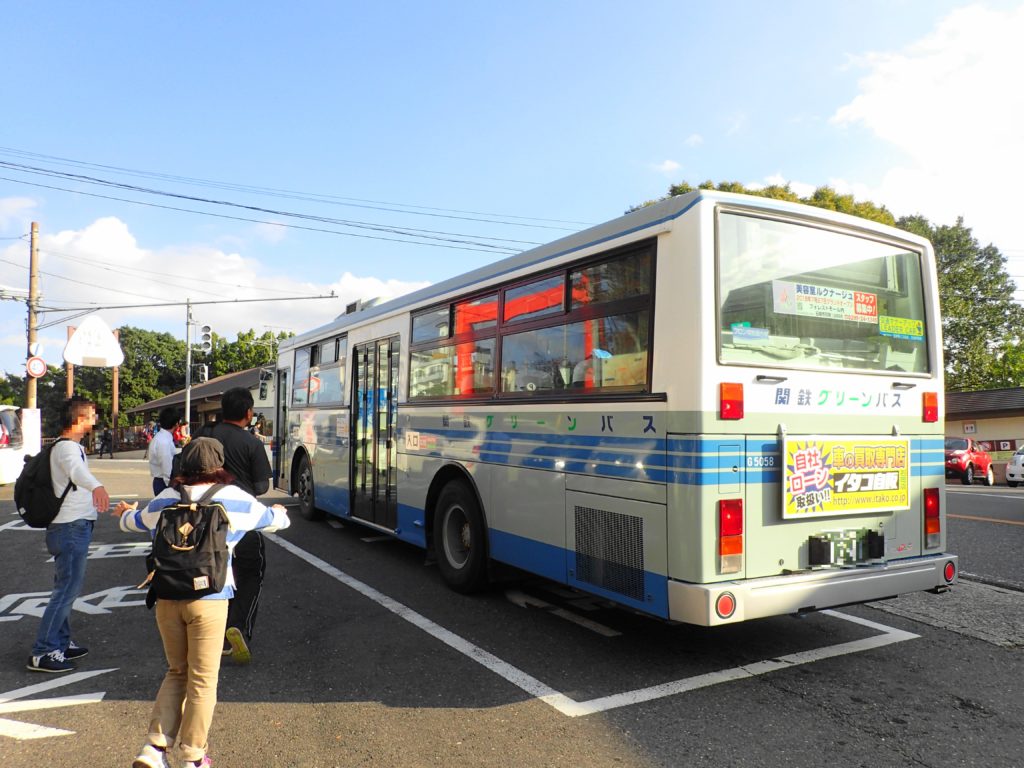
202,372
205,339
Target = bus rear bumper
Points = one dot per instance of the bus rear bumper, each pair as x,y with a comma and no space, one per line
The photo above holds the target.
705,604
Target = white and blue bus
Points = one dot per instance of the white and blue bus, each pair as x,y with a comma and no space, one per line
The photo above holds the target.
716,408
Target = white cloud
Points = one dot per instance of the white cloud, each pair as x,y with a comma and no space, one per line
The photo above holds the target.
693,140
15,211
103,264
667,167
953,104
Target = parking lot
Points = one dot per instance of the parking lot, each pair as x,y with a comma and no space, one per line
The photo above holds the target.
363,657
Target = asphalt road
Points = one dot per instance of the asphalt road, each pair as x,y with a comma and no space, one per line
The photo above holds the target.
363,658
986,528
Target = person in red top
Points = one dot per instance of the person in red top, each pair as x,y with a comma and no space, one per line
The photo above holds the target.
180,434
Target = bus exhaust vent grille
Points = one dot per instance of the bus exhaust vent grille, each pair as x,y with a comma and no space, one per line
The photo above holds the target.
610,551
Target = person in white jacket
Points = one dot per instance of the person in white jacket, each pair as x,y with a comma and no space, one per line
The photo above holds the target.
192,631
68,538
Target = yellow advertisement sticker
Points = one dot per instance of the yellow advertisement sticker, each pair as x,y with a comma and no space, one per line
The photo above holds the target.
852,475
901,328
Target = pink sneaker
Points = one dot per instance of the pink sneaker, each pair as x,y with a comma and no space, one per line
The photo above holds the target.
204,763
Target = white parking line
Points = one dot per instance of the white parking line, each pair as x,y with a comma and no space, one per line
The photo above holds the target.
572,708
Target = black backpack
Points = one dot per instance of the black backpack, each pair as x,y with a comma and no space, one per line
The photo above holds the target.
190,550
33,490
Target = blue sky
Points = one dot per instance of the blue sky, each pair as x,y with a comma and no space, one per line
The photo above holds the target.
499,125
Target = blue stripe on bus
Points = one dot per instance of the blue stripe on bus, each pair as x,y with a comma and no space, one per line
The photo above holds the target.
679,461
554,563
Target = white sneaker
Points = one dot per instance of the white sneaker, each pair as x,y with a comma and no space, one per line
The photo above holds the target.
150,757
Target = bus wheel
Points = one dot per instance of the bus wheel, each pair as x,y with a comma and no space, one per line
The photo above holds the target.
990,477
307,495
459,539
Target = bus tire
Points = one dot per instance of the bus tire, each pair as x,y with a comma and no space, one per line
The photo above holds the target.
968,476
460,539
306,491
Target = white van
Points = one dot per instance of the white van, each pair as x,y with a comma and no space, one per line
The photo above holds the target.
12,445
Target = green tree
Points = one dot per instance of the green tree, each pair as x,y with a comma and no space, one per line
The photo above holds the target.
980,319
822,197
247,351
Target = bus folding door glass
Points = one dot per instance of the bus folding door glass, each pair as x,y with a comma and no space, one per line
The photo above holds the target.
540,298
431,372
301,376
474,366
861,307
477,315
625,278
432,325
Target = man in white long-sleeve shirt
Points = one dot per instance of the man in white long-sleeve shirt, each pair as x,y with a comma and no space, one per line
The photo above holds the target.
161,451
68,538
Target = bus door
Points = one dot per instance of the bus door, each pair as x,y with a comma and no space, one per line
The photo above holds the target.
374,409
279,450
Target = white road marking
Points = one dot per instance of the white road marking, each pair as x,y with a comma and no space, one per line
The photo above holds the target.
572,708
1003,496
524,600
16,729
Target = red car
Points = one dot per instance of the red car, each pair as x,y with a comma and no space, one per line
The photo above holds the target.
967,460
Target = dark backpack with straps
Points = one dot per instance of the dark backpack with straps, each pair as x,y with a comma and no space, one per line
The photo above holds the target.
190,549
33,490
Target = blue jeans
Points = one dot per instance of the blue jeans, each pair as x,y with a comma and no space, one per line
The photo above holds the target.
69,545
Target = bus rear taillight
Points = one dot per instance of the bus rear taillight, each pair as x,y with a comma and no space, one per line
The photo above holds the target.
932,523
730,400
929,406
730,535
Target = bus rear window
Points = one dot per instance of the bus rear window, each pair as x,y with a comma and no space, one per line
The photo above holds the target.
799,296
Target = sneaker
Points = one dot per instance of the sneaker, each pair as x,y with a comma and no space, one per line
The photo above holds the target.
53,661
150,757
226,651
204,763
239,650
75,651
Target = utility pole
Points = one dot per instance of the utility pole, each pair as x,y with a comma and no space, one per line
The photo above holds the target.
33,303
188,363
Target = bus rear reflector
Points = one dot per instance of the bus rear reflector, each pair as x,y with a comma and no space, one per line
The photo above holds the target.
929,406
949,572
725,605
730,535
932,521
730,400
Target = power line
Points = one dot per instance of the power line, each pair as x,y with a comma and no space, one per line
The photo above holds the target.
356,202
426,234
490,249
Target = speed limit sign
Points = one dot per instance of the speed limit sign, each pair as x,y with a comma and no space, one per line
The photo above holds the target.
36,367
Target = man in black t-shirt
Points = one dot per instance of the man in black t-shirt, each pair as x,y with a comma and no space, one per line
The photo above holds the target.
246,458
